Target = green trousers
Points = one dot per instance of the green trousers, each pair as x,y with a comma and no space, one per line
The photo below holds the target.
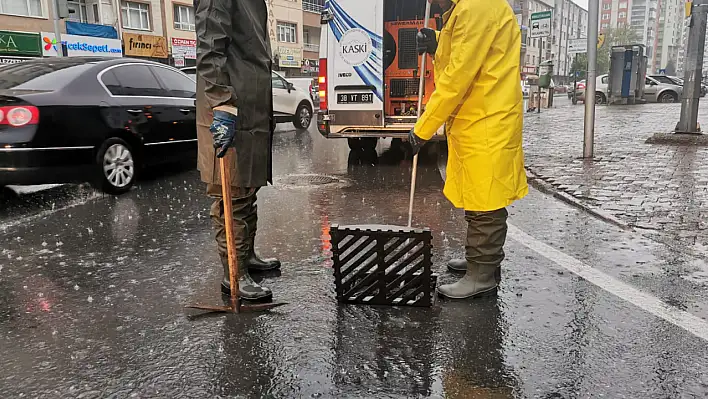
245,217
486,236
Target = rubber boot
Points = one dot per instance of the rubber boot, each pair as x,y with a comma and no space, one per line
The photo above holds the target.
256,264
460,266
457,265
479,281
247,288
253,262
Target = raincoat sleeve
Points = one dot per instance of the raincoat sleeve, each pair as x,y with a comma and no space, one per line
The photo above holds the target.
471,38
213,26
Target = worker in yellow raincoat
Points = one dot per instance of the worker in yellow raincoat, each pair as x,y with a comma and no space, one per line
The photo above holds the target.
478,98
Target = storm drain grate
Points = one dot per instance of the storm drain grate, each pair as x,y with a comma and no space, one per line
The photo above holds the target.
309,180
383,265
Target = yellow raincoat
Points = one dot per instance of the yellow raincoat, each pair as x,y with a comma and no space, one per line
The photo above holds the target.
478,98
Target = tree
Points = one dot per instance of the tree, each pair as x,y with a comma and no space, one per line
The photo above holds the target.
614,37
580,64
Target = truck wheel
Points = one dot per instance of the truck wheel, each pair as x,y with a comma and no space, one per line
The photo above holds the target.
363,143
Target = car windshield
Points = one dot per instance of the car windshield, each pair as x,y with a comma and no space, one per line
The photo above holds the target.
40,75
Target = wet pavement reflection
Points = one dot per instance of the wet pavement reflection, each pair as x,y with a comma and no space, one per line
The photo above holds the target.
92,298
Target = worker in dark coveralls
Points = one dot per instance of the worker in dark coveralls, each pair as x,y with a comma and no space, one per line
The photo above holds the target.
234,109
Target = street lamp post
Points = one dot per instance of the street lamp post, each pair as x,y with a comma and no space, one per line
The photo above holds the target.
693,69
589,125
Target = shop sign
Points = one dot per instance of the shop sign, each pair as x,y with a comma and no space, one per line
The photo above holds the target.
179,60
145,45
289,57
81,46
19,44
187,48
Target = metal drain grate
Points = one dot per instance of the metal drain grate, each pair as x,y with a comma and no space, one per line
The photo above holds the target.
308,180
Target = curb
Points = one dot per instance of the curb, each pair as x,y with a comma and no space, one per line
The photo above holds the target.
540,184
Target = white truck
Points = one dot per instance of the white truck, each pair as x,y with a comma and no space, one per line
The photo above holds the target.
369,70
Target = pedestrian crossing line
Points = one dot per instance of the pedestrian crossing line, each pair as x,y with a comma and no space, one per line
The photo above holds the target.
682,319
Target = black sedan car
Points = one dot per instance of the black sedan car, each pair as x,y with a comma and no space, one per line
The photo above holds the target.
92,119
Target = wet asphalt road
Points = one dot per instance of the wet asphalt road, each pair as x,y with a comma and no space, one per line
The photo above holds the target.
92,290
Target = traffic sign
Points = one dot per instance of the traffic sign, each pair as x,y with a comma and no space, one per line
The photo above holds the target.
600,40
541,24
578,46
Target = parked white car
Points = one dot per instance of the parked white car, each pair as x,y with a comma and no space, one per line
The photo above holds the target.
290,103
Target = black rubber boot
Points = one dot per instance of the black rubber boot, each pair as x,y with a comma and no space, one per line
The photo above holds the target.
256,264
253,262
248,289
460,266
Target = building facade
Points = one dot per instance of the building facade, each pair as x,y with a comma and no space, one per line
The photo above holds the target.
570,21
658,25
537,49
159,30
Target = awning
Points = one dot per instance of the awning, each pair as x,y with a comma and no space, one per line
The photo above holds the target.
81,29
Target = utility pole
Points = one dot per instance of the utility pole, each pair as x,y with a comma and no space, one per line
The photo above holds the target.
693,74
540,55
589,125
57,31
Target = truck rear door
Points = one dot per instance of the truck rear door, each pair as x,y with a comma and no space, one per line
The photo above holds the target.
355,62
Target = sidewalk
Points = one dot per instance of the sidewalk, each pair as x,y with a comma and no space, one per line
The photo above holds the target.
661,190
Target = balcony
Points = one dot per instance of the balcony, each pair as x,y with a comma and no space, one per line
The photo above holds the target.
314,6
315,48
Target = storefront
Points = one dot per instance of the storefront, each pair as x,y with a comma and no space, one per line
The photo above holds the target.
310,67
19,46
288,61
80,46
184,52
149,47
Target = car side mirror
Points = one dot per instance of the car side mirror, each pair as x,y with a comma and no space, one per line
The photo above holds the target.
290,87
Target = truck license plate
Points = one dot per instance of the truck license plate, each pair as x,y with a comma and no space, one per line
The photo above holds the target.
355,98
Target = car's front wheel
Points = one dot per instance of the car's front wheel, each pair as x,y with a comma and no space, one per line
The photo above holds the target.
116,166
303,116
668,97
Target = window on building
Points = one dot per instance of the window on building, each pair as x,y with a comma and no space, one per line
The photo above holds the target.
287,32
604,26
623,5
605,17
622,15
79,10
184,17
606,6
135,15
27,8
96,14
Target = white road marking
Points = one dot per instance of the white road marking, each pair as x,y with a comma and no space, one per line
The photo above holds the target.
32,189
682,319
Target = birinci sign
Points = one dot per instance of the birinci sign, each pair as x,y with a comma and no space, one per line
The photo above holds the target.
144,45
541,24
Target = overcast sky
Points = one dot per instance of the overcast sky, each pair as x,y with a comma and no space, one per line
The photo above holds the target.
582,3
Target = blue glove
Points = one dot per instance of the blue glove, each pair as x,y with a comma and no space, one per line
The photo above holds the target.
416,142
223,130
426,41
